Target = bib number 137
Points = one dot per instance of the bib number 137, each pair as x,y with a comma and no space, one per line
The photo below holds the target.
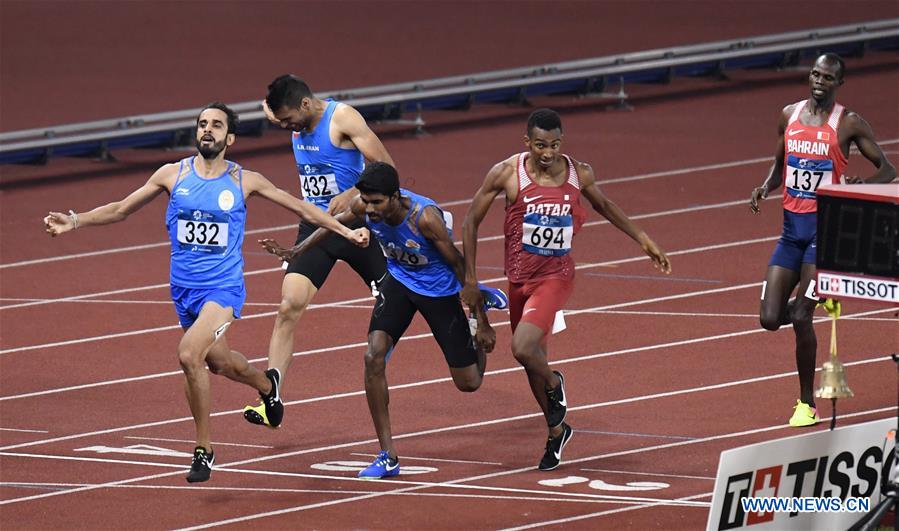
806,180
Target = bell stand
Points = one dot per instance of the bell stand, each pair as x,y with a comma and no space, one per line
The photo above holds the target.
833,375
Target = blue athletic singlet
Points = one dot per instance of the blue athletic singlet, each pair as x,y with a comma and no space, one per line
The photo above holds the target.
325,170
205,219
411,258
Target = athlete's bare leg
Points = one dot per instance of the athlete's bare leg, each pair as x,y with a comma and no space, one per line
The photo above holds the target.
297,292
801,316
468,379
376,393
191,355
529,352
774,311
234,366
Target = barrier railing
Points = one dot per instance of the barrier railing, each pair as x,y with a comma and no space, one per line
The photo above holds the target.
586,76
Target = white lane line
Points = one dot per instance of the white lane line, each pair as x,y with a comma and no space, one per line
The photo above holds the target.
191,442
454,428
579,267
446,204
696,208
363,344
601,513
118,291
34,485
653,474
411,458
165,302
442,380
429,484
457,202
633,434
557,495
24,431
718,166
703,314
675,314
339,304
394,481
685,500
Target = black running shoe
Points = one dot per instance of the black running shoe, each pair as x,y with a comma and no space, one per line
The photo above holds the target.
558,404
270,411
201,465
554,446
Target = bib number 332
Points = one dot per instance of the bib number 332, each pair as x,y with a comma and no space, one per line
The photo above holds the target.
202,233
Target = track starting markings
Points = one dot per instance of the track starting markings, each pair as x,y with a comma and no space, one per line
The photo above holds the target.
136,449
356,466
598,484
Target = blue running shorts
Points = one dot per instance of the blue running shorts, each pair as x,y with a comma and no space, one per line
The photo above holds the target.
797,243
189,301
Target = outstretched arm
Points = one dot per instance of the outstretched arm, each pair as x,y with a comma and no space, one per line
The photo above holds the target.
775,174
480,204
433,227
357,211
863,136
57,223
609,210
256,183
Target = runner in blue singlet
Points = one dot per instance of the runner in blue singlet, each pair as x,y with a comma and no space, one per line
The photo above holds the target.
330,142
205,220
424,274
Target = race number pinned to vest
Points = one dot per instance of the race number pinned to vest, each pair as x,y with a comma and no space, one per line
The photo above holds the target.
805,175
407,256
317,181
203,231
547,235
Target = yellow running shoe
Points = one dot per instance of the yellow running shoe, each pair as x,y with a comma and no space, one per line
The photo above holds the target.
832,307
804,415
270,411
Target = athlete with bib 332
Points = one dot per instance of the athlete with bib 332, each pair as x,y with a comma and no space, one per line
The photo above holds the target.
205,218
543,213
814,138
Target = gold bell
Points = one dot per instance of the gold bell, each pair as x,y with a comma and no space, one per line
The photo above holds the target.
833,381
833,375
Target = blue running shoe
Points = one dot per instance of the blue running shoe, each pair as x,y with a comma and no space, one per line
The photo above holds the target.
382,467
494,298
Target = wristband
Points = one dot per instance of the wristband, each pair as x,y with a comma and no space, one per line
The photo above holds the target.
74,217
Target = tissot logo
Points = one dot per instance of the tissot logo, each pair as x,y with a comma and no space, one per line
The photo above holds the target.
855,474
